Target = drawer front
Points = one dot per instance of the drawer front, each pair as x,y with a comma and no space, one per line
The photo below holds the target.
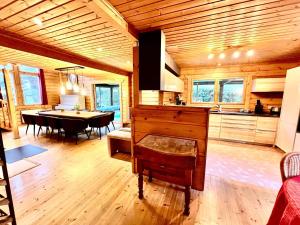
238,125
214,132
237,134
239,119
265,137
267,123
215,120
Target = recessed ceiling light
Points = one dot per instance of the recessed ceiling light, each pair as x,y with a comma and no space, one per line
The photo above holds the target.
236,54
250,53
128,62
211,56
99,49
222,56
219,64
37,21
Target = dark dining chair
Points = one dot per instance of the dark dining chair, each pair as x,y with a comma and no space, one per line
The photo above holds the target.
29,120
55,124
101,121
112,118
41,121
74,127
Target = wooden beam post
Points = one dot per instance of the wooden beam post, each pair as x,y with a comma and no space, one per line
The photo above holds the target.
136,90
11,105
160,97
105,10
18,86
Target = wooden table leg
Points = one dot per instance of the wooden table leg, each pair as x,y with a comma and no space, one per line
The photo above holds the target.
187,194
140,185
140,179
150,176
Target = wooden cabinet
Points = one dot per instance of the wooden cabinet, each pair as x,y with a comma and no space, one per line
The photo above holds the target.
254,129
237,134
267,123
214,126
238,128
266,128
268,85
265,137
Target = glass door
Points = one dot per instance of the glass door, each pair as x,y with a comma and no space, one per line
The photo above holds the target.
108,98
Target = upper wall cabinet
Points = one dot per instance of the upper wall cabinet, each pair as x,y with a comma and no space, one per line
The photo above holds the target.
268,85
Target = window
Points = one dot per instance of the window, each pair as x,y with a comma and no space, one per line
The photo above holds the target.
108,98
30,82
231,90
203,90
2,83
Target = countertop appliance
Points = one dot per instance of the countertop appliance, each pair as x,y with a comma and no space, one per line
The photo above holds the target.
287,138
275,110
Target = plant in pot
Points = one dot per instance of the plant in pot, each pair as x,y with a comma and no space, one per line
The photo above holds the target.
76,107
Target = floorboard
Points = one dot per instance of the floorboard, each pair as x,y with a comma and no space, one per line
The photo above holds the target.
80,184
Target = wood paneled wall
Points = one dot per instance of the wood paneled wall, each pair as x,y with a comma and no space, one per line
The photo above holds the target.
176,121
248,72
153,97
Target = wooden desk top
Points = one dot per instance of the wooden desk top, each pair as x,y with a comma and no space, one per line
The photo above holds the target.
69,114
169,145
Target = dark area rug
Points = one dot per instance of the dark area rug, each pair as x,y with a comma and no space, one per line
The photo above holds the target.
25,151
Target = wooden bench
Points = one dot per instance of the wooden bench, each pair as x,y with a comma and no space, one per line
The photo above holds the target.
119,141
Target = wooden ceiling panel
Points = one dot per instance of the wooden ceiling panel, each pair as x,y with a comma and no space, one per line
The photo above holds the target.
8,55
71,25
194,29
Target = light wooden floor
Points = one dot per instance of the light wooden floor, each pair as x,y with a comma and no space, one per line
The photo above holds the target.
80,184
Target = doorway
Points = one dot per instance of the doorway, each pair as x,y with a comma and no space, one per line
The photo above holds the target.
107,98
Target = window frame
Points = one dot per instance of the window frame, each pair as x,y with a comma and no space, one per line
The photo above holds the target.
232,103
39,85
192,85
217,91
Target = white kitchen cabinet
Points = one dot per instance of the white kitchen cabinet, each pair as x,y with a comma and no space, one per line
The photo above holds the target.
252,129
268,85
290,110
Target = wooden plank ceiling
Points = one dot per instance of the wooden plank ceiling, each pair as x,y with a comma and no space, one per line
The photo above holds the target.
196,28
8,55
71,25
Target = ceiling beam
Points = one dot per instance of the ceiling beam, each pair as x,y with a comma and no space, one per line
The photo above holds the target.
106,11
10,40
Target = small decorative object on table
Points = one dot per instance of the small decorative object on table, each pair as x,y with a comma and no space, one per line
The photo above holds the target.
77,107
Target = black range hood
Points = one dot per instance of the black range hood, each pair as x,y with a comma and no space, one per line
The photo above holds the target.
155,73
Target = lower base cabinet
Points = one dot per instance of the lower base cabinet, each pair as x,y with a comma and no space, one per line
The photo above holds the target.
214,132
265,137
253,129
237,134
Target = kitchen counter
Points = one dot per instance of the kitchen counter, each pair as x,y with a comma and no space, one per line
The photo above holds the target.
243,113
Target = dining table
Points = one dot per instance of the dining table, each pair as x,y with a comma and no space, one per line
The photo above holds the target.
85,115
286,210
